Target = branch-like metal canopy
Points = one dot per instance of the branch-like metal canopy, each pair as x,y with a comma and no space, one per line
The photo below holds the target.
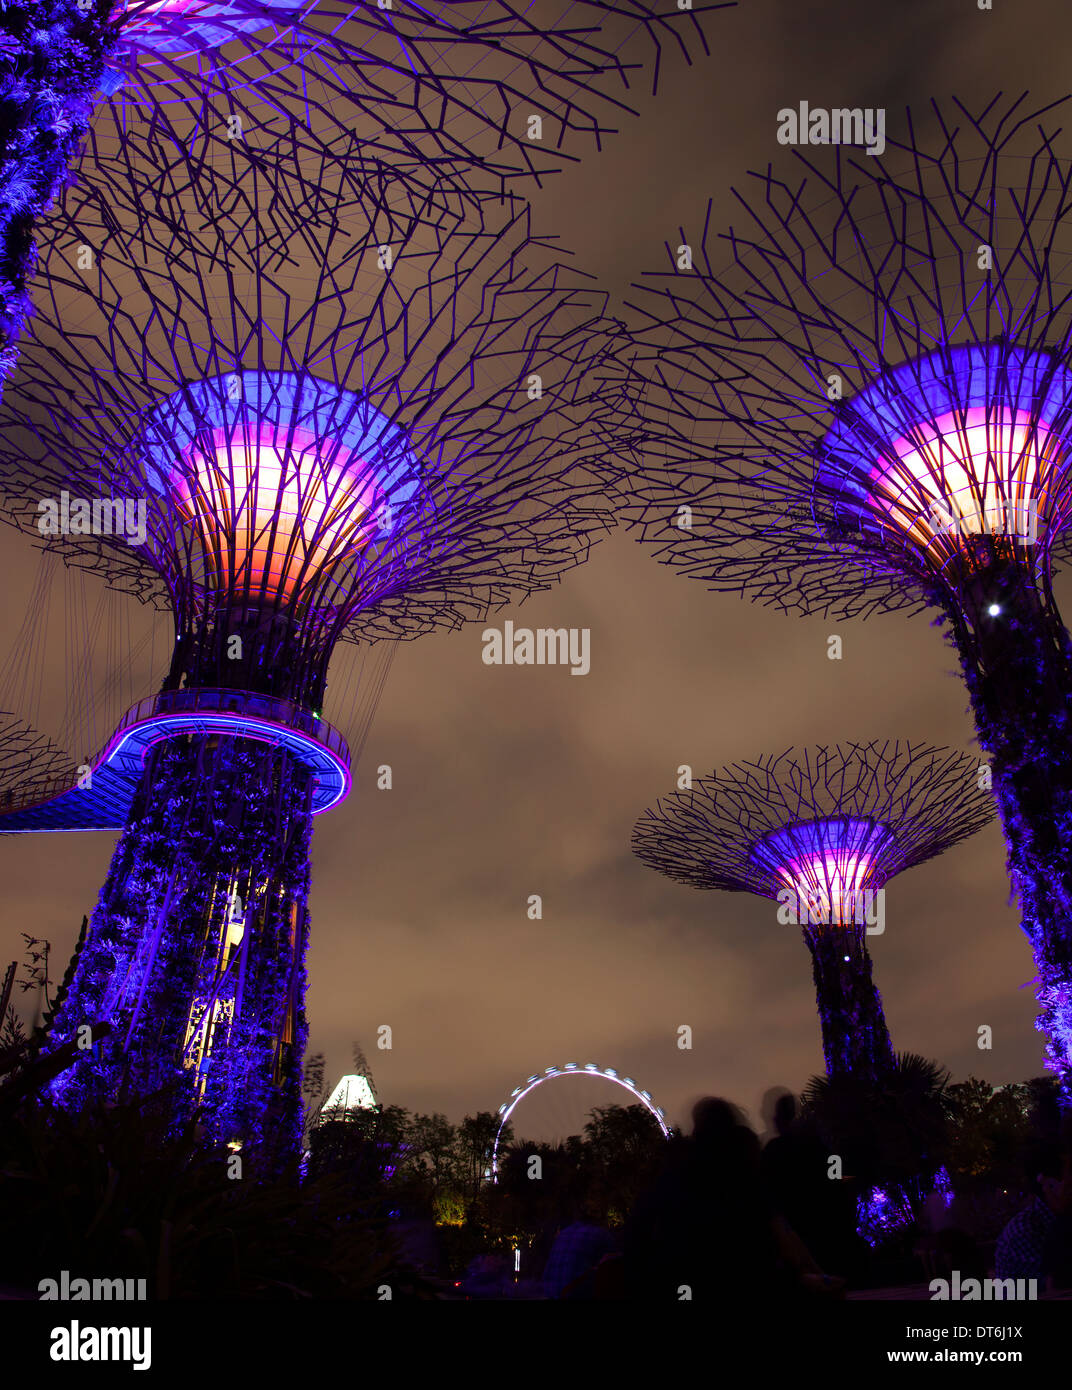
863,389
870,809
474,91
519,87
371,424
821,830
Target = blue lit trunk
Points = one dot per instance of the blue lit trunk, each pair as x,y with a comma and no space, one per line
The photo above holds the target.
856,1040
196,951
1017,664
54,56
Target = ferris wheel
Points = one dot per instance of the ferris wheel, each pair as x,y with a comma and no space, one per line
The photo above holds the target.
589,1070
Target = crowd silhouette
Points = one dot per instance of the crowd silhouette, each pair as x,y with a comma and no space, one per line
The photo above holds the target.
730,1218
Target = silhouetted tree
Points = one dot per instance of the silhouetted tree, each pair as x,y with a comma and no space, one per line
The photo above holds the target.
987,1128
474,1140
892,1133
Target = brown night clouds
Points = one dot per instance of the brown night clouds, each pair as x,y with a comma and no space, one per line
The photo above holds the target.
512,781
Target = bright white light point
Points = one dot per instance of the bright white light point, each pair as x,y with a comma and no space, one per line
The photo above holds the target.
994,609
844,957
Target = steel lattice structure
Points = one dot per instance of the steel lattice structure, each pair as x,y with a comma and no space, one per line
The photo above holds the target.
589,1069
449,82
822,831
473,89
173,307
329,441
864,395
29,760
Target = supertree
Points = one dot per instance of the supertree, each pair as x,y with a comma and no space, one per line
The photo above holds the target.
867,408
373,431
822,832
459,85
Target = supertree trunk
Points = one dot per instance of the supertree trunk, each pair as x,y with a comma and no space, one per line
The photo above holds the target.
52,54
855,1038
196,950
1017,662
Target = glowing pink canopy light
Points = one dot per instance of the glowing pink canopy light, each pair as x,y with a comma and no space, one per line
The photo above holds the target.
287,515
965,443
281,481
170,7
967,474
827,863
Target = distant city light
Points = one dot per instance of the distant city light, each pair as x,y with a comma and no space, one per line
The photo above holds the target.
351,1093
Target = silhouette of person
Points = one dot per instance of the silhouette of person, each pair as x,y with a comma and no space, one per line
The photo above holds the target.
1035,1243
707,1230
821,1211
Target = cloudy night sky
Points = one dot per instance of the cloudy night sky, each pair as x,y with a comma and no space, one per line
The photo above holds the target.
512,781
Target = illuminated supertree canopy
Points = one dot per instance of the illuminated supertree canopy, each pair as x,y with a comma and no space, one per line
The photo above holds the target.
241,342
860,400
458,86
822,832
381,429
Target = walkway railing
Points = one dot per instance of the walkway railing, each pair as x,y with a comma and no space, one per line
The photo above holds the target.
241,703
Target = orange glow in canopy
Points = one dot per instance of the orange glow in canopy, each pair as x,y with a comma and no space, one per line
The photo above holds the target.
965,442
830,885
828,864
275,515
967,474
